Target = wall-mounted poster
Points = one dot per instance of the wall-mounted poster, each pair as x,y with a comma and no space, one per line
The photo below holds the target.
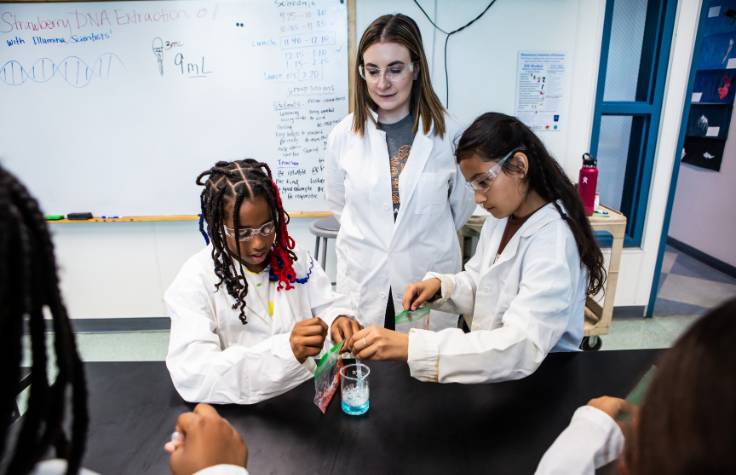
717,52
540,91
714,86
704,152
720,17
709,121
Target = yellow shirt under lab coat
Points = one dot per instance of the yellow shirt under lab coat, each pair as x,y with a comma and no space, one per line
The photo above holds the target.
215,358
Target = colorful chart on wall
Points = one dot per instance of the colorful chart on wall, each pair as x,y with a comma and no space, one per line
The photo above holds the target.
540,89
714,87
704,152
709,121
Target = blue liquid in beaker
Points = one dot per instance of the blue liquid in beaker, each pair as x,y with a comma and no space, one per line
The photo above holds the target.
356,400
355,410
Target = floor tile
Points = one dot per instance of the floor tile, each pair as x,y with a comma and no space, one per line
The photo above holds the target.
668,260
691,267
696,291
665,307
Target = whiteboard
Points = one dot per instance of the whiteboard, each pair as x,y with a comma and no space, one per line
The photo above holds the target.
115,107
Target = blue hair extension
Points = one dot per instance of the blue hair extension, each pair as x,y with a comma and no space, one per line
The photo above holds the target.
203,231
301,280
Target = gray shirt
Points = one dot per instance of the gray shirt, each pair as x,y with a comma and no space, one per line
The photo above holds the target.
399,137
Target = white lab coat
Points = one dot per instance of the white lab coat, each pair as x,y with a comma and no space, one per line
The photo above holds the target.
214,358
374,253
591,441
530,301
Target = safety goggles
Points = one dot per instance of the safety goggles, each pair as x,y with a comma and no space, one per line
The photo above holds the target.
483,182
391,73
246,234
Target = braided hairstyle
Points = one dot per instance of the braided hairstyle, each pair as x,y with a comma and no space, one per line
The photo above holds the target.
493,135
29,288
232,183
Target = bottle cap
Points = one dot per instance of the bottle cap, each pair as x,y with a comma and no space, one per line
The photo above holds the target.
589,160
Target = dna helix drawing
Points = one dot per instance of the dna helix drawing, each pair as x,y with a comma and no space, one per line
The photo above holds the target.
72,69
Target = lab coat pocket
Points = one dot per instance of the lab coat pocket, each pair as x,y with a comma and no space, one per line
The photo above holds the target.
431,193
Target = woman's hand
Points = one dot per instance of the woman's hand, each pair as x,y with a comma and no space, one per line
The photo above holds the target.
419,292
307,338
207,440
378,343
343,328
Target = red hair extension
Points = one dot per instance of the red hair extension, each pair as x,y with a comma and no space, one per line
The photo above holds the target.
281,262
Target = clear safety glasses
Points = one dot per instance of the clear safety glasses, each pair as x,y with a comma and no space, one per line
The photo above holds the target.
246,234
483,183
392,72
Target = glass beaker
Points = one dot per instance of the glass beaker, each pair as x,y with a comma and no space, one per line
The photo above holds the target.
354,389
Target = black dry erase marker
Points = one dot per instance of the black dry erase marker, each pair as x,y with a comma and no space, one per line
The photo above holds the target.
80,216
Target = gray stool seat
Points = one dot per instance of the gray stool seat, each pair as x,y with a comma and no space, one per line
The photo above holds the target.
323,229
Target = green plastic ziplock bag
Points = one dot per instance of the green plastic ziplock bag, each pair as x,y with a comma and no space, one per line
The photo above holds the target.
408,319
636,396
327,377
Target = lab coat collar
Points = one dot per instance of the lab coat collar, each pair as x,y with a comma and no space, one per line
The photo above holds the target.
421,149
546,214
543,216
374,115
255,306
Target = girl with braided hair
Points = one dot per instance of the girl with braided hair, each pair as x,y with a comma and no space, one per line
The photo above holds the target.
248,310
28,286
29,289
523,292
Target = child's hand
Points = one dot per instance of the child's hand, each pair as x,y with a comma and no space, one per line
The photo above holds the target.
307,338
208,440
378,343
617,409
419,292
343,328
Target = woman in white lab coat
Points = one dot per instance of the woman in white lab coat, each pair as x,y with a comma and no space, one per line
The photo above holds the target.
685,424
523,292
392,180
248,312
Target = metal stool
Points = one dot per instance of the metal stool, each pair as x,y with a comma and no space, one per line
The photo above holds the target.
323,229
25,381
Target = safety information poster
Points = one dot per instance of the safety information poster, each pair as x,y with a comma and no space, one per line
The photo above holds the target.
540,90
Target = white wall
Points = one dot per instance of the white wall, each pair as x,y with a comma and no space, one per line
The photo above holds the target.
482,59
703,214
121,270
